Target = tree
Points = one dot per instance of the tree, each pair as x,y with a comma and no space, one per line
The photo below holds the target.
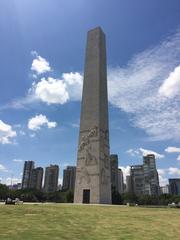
4,191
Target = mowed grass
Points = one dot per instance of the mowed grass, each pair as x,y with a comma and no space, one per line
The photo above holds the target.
92,222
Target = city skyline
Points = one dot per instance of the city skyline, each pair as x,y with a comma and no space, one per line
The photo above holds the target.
41,84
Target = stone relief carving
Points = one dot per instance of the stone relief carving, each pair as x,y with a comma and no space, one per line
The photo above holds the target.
84,174
93,132
90,159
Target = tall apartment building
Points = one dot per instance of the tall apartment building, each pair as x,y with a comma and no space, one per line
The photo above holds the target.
69,175
120,181
51,178
28,167
174,186
114,170
36,178
151,179
137,179
143,179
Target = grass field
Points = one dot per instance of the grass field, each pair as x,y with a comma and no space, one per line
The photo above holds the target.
76,222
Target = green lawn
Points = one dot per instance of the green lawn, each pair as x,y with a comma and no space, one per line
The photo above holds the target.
75,222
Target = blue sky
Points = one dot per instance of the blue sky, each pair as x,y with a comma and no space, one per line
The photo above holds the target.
42,47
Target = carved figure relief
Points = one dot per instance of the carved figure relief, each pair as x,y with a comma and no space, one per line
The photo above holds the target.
93,132
90,159
84,175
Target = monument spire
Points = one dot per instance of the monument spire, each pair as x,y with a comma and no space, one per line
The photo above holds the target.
93,166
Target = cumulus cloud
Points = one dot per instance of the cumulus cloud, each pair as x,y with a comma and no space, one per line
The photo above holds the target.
172,150
50,91
38,121
144,152
178,158
39,65
171,85
135,89
58,91
6,133
166,173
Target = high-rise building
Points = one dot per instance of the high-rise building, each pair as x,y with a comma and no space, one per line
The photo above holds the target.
120,181
36,178
129,188
114,171
144,178
137,179
69,175
174,186
164,189
51,178
151,179
28,167
93,179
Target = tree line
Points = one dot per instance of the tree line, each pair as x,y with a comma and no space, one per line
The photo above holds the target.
31,195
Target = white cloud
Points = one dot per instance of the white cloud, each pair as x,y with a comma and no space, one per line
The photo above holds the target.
2,168
58,91
50,91
178,158
171,85
9,180
6,133
144,152
40,65
60,180
161,171
18,160
174,171
38,121
133,152
162,180
126,171
73,82
166,173
135,90
172,150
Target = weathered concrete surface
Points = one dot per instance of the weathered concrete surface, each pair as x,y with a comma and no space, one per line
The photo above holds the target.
93,166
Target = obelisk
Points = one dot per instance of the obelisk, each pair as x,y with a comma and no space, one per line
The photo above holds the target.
93,166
